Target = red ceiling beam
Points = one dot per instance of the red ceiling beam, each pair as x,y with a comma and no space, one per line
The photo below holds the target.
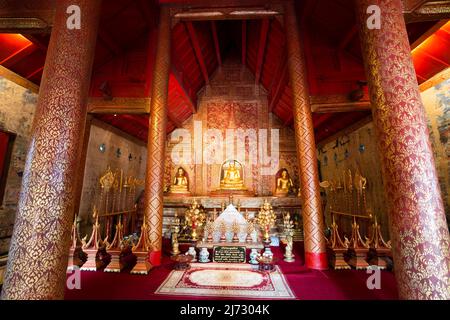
322,119
432,57
41,45
34,72
280,87
345,41
265,23
109,42
137,119
147,12
197,50
182,90
216,42
244,41
18,55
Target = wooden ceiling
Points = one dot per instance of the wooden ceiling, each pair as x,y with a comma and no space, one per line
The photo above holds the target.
122,72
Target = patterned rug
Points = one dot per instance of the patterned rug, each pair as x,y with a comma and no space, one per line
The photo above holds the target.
226,280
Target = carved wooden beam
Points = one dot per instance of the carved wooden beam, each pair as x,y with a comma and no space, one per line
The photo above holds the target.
26,16
428,11
228,12
119,105
338,103
198,51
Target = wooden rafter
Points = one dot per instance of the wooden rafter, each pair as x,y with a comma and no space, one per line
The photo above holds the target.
119,105
18,55
280,87
244,41
216,42
21,81
438,78
38,43
33,73
139,120
265,24
147,13
432,57
109,42
182,90
197,50
428,33
345,41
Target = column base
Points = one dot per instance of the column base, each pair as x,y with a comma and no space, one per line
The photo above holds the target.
155,258
317,261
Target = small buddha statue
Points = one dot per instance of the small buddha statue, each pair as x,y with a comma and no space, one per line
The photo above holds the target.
232,179
284,184
180,182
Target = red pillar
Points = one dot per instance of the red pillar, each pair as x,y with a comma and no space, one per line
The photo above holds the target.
154,181
41,239
419,232
313,225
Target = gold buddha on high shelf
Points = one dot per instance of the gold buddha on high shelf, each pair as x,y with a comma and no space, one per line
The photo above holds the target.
231,176
284,184
231,180
180,184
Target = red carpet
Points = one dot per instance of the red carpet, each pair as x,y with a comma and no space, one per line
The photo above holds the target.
306,284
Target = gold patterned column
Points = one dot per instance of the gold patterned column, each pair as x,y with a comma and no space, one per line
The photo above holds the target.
154,182
419,234
41,239
315,246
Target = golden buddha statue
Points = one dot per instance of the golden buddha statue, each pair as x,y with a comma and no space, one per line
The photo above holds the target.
284,184
180,182
232,179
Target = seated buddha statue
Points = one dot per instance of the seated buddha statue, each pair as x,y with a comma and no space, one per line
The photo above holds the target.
180,182
284,184
232,179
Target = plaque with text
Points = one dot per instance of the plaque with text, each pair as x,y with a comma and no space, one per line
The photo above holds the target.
229,254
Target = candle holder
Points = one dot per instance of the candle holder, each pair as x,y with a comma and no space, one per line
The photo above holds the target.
195,218
266,219
289,233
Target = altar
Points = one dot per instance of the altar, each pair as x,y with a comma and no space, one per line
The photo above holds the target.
176,206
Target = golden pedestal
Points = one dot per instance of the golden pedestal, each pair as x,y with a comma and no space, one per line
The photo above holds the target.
91,263
114,265
336,259
142,265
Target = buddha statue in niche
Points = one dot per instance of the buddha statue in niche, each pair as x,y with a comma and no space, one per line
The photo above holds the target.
284,184
232,176
180,184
